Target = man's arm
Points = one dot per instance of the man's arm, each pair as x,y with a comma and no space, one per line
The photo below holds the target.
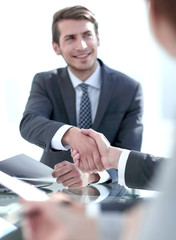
38,125
139,170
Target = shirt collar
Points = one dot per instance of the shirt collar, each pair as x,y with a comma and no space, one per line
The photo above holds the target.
94,80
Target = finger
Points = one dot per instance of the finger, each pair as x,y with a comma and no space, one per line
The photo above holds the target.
85,131
73,173
71,181
80,166
85,164
97,161
61,171
73,152
59,165
76,185
76,157
92,166
77,163
94,161
89,132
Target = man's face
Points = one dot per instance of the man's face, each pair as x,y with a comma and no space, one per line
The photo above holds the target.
78,45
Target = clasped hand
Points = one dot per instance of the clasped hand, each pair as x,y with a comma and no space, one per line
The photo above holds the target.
106,159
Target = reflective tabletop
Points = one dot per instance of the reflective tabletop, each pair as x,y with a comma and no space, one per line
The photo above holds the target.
95,193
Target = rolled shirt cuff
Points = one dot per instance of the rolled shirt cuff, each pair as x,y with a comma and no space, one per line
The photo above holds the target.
56,141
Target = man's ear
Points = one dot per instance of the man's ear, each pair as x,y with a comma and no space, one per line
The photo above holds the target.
56,48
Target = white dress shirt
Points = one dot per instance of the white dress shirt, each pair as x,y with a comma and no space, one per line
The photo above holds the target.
94,88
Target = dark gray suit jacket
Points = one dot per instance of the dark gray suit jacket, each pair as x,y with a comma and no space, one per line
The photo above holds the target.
141,170
51,104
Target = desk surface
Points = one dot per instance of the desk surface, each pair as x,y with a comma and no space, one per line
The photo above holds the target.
90,194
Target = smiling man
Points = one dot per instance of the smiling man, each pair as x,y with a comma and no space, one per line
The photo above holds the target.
78,45
85,94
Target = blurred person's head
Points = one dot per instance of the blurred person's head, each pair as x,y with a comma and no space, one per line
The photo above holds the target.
163,22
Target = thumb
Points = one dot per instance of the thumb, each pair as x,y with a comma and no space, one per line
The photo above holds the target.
89,132
85,131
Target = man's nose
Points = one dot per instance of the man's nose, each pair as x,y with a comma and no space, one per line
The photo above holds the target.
81,44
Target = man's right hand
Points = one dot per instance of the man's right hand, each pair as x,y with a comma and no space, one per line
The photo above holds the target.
87,147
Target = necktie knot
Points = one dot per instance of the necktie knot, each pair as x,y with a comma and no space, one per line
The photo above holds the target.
84,87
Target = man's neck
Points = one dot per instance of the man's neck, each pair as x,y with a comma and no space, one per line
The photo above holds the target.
83,75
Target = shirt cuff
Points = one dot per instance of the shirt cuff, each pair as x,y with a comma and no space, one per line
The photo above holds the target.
56,141
121,166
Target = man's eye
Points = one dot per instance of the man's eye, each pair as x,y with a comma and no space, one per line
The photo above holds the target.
87,35
69,38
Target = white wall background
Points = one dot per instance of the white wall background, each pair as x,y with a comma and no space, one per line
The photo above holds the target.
126,45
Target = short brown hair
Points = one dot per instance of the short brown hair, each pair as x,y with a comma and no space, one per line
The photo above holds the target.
76,12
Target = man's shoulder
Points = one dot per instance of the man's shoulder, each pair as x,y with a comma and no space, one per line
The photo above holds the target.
51,73
118,75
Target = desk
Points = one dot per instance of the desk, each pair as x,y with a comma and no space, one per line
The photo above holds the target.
90,194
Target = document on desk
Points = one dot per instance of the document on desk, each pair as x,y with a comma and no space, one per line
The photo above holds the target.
28,169
23,189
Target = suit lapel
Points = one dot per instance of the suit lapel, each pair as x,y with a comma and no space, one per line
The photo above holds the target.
68,96
105,95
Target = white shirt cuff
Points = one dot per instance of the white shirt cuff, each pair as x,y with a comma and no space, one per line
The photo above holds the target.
121,166
56,141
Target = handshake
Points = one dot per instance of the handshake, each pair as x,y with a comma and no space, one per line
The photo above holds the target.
91,153
101,157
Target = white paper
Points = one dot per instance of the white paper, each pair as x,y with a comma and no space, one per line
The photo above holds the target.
27,168
23,189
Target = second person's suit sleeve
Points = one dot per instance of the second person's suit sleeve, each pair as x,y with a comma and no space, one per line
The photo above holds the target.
141,169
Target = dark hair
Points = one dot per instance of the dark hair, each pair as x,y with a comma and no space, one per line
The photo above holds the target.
166,8
76,12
